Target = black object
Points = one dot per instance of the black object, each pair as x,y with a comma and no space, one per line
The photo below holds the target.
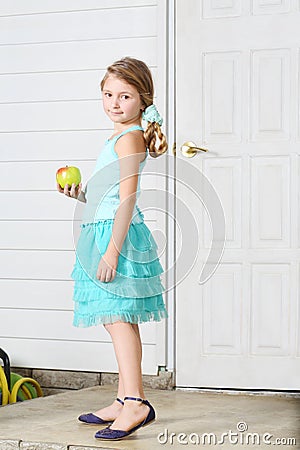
5,359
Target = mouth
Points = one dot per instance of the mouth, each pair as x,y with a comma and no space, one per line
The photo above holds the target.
115,113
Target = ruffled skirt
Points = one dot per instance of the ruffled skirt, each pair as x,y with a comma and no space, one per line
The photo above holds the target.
134,295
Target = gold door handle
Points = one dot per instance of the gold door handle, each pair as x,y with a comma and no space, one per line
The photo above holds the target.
189,149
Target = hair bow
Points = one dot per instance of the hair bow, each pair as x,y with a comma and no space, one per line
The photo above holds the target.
150,114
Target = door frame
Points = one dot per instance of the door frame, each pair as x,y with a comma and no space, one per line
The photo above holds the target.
170,108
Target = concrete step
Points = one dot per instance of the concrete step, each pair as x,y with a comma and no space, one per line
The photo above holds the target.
51,422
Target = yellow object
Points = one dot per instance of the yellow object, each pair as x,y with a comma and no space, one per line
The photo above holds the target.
4,387
14,393
23,384
26,392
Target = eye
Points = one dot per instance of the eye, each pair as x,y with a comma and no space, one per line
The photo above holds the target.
125,96
107,94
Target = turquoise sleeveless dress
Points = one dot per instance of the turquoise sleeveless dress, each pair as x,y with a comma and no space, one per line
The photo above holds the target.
135,294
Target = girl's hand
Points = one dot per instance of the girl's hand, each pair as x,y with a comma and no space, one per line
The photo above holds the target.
107,267
70,192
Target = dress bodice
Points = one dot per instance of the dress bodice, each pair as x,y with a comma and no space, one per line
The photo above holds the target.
102,189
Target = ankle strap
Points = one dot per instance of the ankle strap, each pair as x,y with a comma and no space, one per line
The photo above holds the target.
120,401
138,399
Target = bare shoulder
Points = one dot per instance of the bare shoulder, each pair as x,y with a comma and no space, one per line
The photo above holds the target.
131,143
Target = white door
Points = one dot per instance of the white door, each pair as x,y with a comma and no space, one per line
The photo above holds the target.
237,77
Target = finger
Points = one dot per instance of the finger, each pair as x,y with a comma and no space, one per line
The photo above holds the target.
72,190
66,190
113,274
59,188
99,270
102,276
77,190
106,275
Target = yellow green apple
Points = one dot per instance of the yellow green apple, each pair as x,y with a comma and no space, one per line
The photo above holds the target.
68,175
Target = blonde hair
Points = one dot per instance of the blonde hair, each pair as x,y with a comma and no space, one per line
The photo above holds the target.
137,74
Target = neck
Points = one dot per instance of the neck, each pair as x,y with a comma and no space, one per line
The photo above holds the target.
119,127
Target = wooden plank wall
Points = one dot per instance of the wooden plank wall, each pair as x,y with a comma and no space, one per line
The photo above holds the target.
52,59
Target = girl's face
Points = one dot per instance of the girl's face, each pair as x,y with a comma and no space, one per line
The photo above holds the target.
121,101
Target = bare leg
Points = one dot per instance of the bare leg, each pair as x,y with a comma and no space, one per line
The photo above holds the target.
112,411
128,349
137,332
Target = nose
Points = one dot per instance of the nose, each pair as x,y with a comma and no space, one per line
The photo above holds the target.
115,102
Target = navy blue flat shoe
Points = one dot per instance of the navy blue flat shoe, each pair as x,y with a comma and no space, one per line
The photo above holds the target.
92,419
109,434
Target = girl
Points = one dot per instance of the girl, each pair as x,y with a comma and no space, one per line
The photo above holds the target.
117,270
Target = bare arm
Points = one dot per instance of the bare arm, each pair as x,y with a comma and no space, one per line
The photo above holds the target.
129,159
129,151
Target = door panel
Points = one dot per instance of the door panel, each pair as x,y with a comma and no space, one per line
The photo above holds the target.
237,95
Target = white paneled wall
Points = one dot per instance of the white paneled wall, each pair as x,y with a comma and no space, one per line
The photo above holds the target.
53,55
